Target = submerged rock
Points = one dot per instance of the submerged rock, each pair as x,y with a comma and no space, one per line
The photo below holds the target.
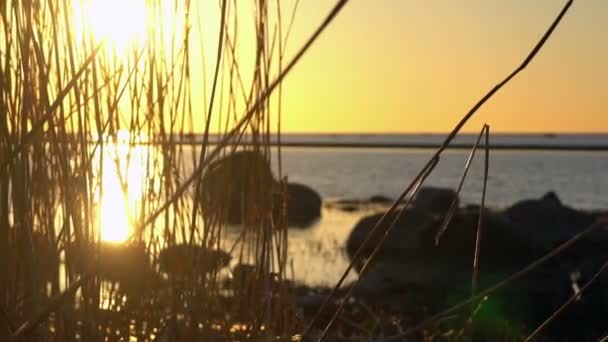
125,264
380,199
186,260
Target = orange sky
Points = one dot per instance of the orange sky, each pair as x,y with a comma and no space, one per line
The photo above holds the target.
418,66
412,66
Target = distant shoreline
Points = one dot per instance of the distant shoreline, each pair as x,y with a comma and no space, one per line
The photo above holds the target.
456,146
547,142
435,146
404,146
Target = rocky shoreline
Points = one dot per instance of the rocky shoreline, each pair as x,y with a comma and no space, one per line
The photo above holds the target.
425,262
416,273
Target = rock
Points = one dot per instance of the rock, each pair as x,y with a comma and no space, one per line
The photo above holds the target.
410,256
546,221
519,236
349,201
186,260
393,276
355,204
455,250
125,264
243,274
303,205
380,199
510,241
346,205
435,200
238,187
349,208
403,239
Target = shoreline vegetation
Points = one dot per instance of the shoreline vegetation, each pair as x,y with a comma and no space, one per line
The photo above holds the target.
105,239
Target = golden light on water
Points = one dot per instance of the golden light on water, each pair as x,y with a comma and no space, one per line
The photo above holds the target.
123,182
120,23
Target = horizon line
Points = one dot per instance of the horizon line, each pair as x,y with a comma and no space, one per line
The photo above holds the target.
548,133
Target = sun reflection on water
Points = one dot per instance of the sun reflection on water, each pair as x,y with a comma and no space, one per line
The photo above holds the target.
123,182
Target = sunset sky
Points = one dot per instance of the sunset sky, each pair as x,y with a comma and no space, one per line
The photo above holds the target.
418,66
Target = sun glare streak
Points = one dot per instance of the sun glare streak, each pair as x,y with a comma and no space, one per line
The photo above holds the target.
121,23
123,185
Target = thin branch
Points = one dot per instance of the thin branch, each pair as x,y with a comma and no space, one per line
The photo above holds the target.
454,205
220,45
475,276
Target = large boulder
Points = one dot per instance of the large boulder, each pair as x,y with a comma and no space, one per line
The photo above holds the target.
402,242
435,200
388,276
510,240
237,187
240,188
546,221
380,199
412,243
454,252
303,205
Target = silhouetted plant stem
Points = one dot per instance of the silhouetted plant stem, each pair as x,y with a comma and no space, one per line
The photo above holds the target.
454,204
475,278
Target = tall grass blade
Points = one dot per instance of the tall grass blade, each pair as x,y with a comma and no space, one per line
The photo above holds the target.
475,276
450,214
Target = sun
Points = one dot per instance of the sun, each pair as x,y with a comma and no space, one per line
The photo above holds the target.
121,24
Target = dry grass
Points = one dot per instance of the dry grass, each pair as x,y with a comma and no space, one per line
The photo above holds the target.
65,98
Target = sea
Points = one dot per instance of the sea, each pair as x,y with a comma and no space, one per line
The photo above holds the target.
358,166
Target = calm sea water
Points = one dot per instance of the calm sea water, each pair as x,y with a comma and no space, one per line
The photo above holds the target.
578,177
